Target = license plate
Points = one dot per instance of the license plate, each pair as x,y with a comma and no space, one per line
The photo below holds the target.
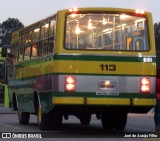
106,87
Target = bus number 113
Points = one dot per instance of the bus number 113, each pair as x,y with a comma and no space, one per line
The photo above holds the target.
107,67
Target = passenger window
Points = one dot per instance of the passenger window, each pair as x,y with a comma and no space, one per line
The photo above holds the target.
43,47
44,31
36,34
22,40
51,36
34,50
51,45
28,38
27,53
52,28
20,55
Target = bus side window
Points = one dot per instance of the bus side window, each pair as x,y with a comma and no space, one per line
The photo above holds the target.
44,31
20,55
52,27
36,34
34,53
27,52
43,47
51,45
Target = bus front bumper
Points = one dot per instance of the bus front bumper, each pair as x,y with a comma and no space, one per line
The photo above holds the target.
103,101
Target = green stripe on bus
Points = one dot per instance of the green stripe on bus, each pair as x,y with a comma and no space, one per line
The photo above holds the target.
101,58
83,58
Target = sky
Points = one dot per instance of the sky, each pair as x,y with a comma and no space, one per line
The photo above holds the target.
30,11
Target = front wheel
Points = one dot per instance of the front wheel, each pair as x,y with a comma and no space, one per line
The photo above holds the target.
23,117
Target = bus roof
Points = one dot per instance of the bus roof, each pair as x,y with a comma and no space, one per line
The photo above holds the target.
103,9
36,24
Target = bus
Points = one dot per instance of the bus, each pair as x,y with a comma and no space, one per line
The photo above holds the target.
4,101
84,61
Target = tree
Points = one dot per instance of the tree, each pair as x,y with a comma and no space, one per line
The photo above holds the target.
7,27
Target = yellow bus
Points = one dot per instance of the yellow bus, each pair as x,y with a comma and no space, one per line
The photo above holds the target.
85,61
3,80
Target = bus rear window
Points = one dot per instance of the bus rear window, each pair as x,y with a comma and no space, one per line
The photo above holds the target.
106,32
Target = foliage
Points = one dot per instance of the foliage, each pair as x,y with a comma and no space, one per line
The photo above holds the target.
7,27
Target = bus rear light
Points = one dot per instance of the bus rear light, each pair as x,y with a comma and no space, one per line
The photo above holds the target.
73,9
70,10
138,11
70,83
145,85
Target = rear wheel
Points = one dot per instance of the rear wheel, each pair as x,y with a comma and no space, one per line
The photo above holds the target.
56,120
43,119
114,120
108,121
121,120
23,117
85,119
50,121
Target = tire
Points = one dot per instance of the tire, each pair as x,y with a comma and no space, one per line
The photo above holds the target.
121,120
107,120
56,120
50,121
85,119
43,119
23,117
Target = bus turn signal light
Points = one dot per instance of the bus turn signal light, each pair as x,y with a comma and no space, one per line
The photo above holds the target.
70,83
145,85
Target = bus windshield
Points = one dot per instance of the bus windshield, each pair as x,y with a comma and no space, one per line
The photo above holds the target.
106,32
2,73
